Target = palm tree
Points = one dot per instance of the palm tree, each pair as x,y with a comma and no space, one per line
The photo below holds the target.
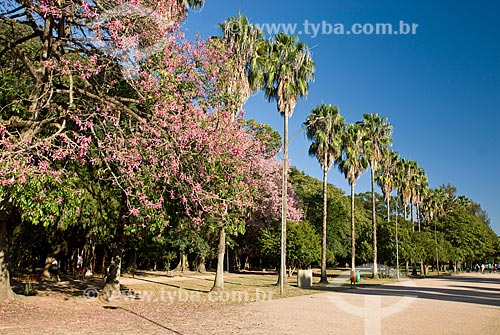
433,206
406,169
352,164
377,136
419,185
386,177
398,179
283,69
324,126
194,4
242,39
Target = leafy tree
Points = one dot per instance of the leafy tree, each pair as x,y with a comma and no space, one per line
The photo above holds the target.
266,135
303,244
471,238
267,205
310,195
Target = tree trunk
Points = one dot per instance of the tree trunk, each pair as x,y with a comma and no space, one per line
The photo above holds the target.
111,288
200,264
353,235
5,289
284,210
374,225
324,278
397,242
437,255
389,209
418,216
422,273
246,263
112,285
183,262
51,257
103,264
412,211
221,250
237,257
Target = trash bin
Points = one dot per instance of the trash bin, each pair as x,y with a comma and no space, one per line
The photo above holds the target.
358,276
304,278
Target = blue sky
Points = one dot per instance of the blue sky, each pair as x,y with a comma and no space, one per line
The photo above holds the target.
440,88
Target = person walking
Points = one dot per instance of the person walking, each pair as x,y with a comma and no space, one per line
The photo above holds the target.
79,266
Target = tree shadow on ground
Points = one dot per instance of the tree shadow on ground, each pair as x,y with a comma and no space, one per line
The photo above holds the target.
475,279
173,285
69,286
143,318
204,289
471,294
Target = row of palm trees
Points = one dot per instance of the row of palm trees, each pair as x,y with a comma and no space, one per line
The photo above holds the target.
283,68
356,147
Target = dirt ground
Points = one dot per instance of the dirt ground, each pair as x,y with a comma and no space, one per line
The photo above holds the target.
462,304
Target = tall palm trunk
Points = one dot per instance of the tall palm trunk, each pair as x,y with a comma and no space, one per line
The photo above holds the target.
418,216
389,209
284,194
324,278
374,225
412,212
353,235
412,217
405,211
422,272
221,250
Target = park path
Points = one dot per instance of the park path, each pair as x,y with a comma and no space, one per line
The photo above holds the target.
462,304
465,304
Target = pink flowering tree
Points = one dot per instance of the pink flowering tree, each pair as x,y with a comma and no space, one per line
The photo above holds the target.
114,84
62,64
266,211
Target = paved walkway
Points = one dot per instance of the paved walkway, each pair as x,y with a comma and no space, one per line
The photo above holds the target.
464,304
